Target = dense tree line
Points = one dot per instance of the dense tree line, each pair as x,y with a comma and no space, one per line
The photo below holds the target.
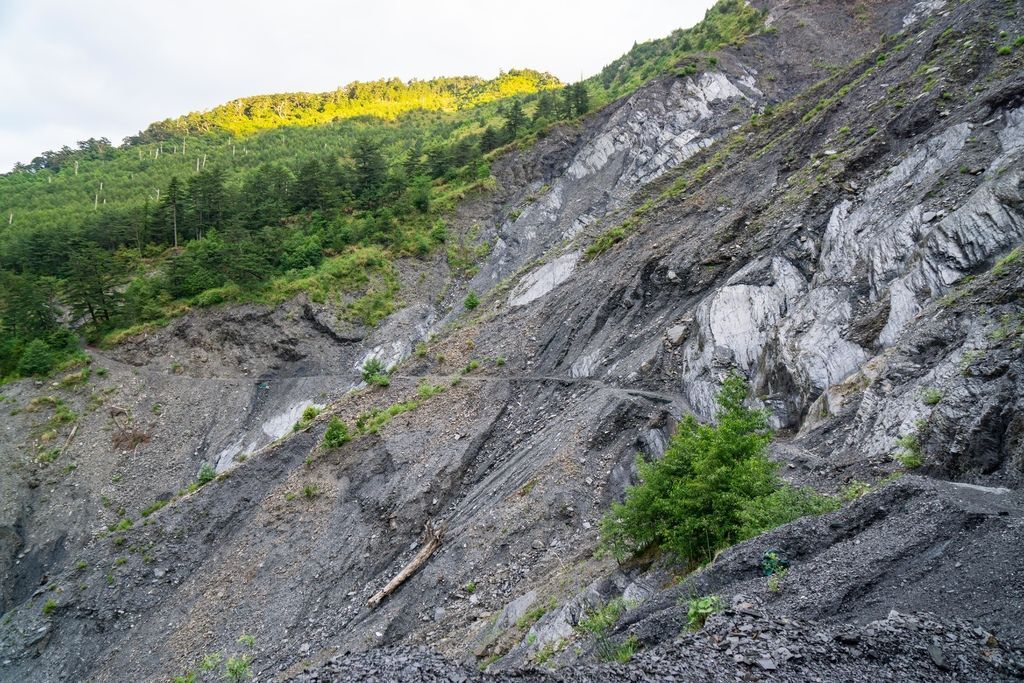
98,238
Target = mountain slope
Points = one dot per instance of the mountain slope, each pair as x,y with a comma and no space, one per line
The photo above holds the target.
845,238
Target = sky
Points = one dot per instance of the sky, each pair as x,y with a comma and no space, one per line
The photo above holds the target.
70,70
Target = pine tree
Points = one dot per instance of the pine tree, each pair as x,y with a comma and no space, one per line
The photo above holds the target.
489,140
514,119
370,172
170,206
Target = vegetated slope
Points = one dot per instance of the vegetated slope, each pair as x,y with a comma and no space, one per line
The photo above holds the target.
262,198
820,248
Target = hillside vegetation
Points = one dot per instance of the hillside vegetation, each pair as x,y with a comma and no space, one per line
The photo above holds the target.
268,196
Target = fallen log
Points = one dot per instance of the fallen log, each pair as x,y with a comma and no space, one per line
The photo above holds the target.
431,543
71,436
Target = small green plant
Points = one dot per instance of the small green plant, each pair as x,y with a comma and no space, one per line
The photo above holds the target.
122,525
374,372
854,490
308,415
425,390
49,456
534,613
910,454
337,434
600,620
147,511
608,651
211,661
50,606
456,381
470,367
499,361
81,565
310,491
775,580
470,587
548,651
931,396
206,474
187,677
471,301
237,668
699,609
1004,50
421,350
247,640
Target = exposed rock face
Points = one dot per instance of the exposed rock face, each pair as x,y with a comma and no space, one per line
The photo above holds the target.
850,251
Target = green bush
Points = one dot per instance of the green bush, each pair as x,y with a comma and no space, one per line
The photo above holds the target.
374,372
910,454
308,415
237,668
37,359
714,487
472,301
206,474
337,434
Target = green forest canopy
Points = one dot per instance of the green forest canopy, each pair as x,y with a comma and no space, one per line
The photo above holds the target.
265,197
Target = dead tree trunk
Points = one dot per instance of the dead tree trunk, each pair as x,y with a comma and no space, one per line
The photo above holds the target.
432,541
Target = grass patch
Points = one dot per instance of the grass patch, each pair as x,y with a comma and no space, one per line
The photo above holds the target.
601,620
608,651
909,455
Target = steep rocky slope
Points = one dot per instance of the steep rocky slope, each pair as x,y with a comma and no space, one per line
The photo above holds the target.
836,219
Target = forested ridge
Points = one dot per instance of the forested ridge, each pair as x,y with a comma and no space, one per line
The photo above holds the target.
268,196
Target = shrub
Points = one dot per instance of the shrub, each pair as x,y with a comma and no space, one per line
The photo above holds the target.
337,434
310,491
206,474
49,606
374,372
308,415
775,580
699,609
211,661
714,487
471,301
781,507
931,397
237,669
37,359
910,455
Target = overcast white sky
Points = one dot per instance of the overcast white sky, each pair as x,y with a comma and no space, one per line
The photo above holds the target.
71,69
